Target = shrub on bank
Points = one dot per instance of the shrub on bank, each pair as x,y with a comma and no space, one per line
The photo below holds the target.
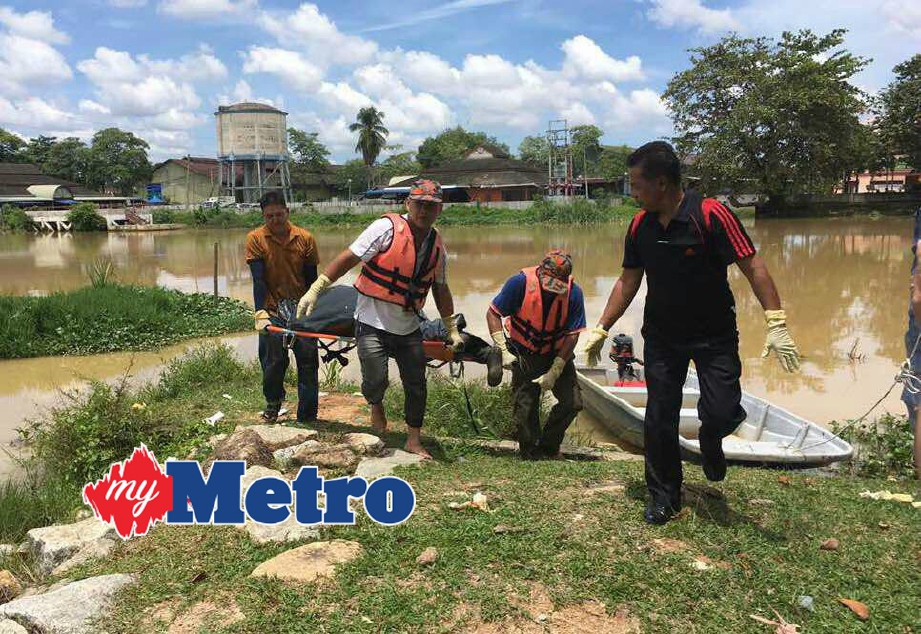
83,217
881,449
14,219
112,317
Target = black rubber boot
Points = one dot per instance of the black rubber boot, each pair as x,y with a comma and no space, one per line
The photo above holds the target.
494,367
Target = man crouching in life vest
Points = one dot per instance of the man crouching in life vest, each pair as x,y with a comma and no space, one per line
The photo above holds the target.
403,258
544,311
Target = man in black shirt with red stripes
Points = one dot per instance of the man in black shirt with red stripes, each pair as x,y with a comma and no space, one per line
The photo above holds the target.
684,244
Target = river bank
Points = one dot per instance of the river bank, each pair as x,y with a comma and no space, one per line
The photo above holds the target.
560,542
111,317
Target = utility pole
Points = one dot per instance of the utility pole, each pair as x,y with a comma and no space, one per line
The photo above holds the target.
584,173
188,171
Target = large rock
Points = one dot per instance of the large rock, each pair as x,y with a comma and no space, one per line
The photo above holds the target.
67,610
370,468
309,562
11,627
329,456
365,444
288,531
10,588
6,550
94,550
281,436
53,545
284,457
244,444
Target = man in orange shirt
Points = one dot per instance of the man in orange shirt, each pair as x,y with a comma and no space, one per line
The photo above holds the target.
283,260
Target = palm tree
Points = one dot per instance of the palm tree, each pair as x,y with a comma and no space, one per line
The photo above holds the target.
372,136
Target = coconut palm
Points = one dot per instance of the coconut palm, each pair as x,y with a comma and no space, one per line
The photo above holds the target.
372,136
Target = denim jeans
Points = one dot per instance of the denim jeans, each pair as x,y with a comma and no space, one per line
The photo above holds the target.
375,348
273,357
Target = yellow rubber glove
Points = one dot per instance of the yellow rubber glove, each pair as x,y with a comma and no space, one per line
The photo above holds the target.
548,380
262,319
507,357
594,345
455,341
780,341
309,299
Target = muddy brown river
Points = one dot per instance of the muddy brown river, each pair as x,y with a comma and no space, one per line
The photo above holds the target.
844,283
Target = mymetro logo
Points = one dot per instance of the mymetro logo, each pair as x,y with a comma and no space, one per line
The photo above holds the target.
137,493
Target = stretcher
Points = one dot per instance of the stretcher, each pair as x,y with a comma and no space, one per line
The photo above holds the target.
335,347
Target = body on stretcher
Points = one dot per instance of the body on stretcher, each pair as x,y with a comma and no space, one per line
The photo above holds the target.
332,325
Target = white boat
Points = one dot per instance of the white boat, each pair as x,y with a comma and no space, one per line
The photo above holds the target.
769,435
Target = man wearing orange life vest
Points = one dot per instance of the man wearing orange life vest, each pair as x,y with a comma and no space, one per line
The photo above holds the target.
403,258
544,310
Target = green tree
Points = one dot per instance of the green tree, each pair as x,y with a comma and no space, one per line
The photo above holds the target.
68,159
534,149
372,136
118,162
585,147
613,161
11,148
899,122
39,148
358,172
780,116
452,144
402,164
307,150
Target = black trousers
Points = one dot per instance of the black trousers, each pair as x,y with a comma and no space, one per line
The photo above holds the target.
719,409
532,442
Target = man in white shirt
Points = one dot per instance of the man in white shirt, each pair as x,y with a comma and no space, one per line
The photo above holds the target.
403,258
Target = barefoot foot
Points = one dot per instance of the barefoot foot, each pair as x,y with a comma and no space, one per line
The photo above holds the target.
418,449
378,418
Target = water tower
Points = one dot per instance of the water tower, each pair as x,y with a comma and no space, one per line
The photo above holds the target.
252,148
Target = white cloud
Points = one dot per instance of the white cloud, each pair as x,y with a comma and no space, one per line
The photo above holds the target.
35,25
26,64
904,17
586,59
207,9
290,66
311,31
578,114
33,113
93,108
199,66
435,13
692,14
242,91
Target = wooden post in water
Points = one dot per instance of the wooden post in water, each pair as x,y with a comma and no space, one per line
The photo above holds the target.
215,272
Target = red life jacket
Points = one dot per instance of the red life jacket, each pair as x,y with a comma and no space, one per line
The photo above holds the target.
389,275
527,326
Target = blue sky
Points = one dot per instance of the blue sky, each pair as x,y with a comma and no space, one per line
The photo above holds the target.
160,67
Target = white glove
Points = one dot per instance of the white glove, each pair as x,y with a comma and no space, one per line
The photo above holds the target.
262,320
779,340
597,337
309,299
548,380
507,357
455,341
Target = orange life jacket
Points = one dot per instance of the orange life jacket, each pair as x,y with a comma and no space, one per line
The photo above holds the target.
389,275
527,326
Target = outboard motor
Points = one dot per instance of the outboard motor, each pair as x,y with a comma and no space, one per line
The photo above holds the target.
622,355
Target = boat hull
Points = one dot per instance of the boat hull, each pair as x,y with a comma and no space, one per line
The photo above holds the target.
769,435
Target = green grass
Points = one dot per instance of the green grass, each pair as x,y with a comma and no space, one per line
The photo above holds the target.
112,317
761,529
579,546
577,212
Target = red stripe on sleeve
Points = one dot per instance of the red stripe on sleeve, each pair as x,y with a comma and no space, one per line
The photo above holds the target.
635,223
742,246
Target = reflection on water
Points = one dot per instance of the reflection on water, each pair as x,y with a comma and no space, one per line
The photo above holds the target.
842,280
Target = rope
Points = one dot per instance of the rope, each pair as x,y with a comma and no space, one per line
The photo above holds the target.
910,380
